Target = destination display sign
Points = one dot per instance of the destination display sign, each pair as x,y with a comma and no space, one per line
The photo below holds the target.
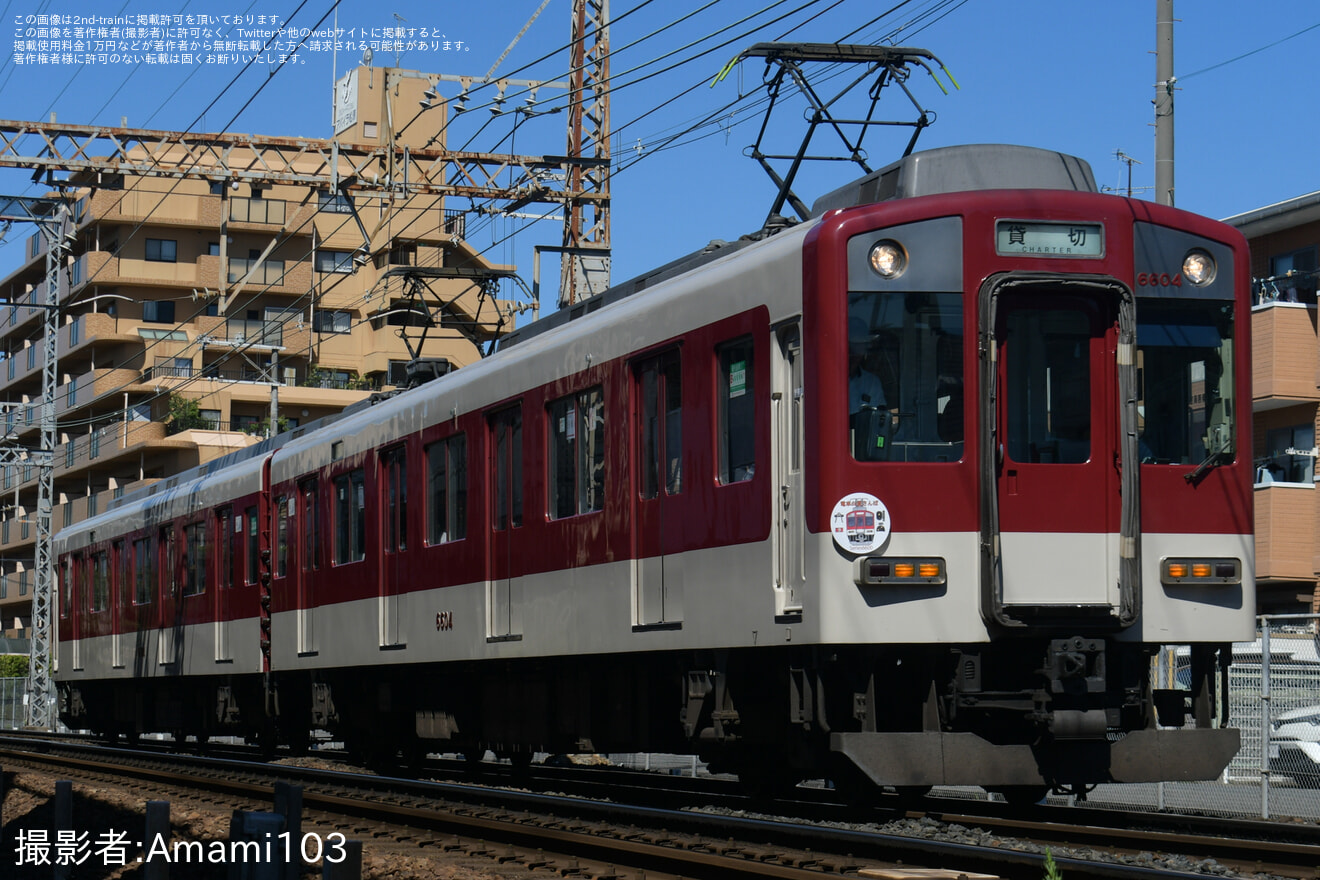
1035,239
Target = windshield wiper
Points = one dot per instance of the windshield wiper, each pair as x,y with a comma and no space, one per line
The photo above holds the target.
1211,461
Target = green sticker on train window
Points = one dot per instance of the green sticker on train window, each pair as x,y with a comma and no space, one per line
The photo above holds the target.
737,379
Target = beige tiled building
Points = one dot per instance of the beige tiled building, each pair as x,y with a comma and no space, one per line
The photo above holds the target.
227,295
1284,241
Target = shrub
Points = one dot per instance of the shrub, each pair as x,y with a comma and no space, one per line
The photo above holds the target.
13,666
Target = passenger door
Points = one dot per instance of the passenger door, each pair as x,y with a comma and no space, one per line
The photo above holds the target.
1056,482
657,529
309,562
226,564
790,527
503,619
392,483
120,585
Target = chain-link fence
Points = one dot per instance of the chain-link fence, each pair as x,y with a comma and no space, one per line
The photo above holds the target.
1275,702
13,703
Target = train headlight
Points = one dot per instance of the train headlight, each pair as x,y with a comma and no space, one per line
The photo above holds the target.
875,570
1200,571
1199,267
888,258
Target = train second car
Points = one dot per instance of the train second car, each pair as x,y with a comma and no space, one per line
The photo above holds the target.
909,493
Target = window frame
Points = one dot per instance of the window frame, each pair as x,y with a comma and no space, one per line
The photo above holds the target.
195,553
571,460
145,580
100,582
394,470
505,426
447,468
152,310
334,262
161,250
349,515
729,473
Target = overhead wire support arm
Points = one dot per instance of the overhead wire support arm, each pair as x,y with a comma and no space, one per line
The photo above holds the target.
376,170
883,65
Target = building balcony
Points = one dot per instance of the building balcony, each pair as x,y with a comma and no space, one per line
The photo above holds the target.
137,205
93,267
82,390
1285,532
219,334
16,590
106,446
74,344
1285,371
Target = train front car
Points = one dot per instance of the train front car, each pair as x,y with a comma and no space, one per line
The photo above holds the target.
1030,437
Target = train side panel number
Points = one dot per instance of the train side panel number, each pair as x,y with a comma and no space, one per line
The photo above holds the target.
444,621
1159,279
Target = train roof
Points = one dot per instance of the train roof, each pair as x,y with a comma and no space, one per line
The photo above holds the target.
964,168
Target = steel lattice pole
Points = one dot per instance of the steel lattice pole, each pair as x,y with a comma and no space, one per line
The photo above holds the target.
40,690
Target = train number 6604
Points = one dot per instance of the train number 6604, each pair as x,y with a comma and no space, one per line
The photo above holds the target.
1159,279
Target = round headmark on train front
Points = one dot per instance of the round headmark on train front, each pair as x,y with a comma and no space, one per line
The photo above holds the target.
860,523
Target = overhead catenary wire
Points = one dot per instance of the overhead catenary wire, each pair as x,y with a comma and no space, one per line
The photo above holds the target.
669,54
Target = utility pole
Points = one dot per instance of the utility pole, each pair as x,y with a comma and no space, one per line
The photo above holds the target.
1164,85
587,223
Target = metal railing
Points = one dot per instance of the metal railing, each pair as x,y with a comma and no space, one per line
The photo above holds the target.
255,332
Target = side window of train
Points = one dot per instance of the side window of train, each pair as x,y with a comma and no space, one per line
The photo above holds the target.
311,527
395,470
144,571
100,582
123,561
227,561
350,517
81,574
66,587
577,453
660,426
737,411
194,559
252,574
168,567
282,536
446,490
506,468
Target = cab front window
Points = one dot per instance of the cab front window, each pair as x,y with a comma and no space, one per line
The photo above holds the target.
1185,401
905,376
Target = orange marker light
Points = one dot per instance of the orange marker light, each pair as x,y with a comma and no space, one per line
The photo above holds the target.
904,569
1201,570
1177,570
929,569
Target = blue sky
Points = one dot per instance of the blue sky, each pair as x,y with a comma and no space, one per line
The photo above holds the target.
1076,77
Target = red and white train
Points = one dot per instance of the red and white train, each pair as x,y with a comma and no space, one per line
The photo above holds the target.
908,493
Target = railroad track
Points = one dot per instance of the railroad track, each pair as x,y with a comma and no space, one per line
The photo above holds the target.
515,831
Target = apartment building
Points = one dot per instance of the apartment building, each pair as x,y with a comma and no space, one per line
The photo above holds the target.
1284,240
193,308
